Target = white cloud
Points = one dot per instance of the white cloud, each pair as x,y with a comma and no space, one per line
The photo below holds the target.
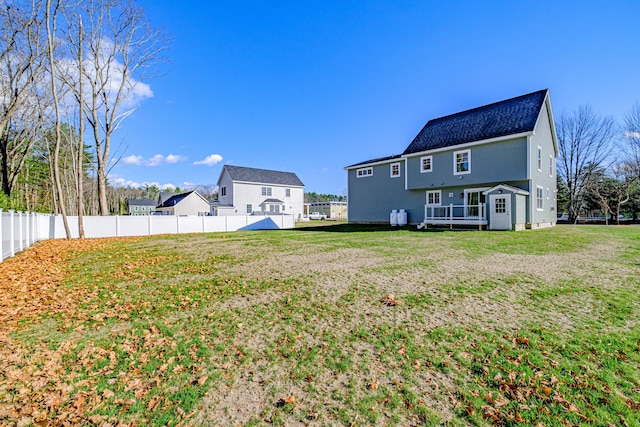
155,160
210,160
121,182
174,158
132,160
110,77
632,134
163,187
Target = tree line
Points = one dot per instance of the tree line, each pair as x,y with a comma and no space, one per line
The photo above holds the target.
70,74
598,165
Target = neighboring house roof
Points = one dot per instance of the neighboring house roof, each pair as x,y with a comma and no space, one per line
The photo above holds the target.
164,196
508,117
174,200
141,202
273,201
262,176
379,159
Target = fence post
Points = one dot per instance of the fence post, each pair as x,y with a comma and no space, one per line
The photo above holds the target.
150,221
20,231
203,223
12,243
177,224
27,232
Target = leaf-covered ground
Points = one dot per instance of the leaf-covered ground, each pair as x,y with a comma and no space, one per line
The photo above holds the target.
325,326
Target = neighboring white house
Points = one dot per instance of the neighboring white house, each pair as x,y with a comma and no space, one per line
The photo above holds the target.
189,203
250,191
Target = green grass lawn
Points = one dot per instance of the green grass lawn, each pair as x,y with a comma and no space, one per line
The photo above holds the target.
290,328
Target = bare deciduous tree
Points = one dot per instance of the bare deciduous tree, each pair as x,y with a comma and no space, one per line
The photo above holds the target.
51,15
583,140
612,188
22,58
121,47
632,134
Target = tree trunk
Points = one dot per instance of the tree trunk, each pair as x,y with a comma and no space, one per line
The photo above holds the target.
80,139
56,166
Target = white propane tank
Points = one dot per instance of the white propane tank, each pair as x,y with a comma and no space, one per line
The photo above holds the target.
393,218
402,217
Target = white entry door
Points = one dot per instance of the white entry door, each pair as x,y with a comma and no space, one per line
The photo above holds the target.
500,212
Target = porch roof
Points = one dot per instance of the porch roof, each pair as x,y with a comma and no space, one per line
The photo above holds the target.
505,187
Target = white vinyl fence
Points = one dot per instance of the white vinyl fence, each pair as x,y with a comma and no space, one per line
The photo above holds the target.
19,230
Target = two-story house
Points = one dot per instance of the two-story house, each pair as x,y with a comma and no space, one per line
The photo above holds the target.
493,166
137,207
250,191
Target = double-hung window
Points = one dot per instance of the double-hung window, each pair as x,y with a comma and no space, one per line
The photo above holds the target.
287,192
462,162
249,208
426,164
394,170
550,165
539,158
266,191
539,198
223,191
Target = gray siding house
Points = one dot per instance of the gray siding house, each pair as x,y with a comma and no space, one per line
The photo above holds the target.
491,167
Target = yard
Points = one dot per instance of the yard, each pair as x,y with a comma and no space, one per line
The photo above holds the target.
333,325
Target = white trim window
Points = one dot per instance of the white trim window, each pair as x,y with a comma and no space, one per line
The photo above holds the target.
539,159
426,164
287,192
461,162
394,170
223,191
266,191
249,208
539,198
551,165
361,173
434,197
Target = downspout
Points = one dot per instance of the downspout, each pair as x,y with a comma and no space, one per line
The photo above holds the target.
529,182
406,178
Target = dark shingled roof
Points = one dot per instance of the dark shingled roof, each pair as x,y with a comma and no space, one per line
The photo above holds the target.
141,202
263,176
379,159
174,200
273,201
509,117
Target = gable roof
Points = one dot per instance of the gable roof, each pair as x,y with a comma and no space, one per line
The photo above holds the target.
174,200
177,198
140,202
262,176
508,117
164,196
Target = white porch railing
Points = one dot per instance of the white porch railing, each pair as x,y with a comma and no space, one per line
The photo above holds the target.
456,214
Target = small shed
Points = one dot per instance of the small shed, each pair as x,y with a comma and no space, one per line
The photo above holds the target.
507,207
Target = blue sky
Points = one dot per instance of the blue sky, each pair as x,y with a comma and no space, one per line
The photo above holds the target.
313,86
